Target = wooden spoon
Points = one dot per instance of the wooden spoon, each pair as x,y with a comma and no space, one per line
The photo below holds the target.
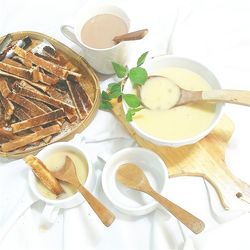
241,97
133,177
135,35
68,174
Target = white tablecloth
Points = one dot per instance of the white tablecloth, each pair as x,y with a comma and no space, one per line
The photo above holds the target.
213,32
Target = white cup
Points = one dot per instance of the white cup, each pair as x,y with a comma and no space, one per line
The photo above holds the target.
100,59
52,207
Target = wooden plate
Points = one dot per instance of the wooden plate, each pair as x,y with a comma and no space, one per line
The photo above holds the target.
90,83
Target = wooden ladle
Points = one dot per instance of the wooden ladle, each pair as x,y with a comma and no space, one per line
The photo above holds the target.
68,174
133,177
184,96
135,35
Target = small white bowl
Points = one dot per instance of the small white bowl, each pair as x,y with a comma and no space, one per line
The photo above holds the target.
165,61
52,207
130,201
70,201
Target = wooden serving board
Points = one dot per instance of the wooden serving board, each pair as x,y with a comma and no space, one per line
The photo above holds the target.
205,158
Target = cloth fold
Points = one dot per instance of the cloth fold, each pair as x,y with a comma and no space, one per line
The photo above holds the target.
230,235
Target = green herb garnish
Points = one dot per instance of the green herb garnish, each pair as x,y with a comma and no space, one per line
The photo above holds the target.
137,75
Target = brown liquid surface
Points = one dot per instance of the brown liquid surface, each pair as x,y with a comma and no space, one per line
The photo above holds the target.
99,31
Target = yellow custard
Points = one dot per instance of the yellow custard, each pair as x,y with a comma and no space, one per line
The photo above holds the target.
181,122
56,161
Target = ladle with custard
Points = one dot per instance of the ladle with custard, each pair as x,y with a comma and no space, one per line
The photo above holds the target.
158,120
164,116
162,92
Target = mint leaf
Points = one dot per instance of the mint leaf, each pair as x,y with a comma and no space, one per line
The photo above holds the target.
119,69
132,100
105,105
105,96
129,116
115,87
115,94
138,76
112,84
114,90
131,112
141,59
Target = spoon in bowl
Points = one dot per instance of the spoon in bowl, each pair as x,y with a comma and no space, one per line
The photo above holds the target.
133,177
175,96
68,174
131,36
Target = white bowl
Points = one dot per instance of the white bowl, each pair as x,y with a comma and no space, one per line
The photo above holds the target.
130,201
71,201
165,61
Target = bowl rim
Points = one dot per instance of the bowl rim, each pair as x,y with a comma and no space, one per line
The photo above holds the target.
143,209
189,140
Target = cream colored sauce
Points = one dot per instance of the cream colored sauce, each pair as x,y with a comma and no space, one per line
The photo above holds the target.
99,31
55,162
160,93
179,122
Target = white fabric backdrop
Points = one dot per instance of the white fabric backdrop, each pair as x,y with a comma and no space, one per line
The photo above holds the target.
214,32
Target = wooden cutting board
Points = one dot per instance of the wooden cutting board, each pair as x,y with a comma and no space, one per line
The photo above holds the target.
205,158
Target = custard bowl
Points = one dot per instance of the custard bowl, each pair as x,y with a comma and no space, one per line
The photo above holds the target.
52,206
181,125
130,201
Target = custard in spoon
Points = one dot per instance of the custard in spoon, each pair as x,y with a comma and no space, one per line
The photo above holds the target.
161,92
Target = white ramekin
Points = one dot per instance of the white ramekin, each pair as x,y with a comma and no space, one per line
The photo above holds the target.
130,201
52,207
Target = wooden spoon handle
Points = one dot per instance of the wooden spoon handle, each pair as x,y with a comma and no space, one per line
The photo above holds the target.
136,35
241,97
102,212
193,223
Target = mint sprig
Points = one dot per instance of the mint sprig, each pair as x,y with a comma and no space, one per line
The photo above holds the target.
137,75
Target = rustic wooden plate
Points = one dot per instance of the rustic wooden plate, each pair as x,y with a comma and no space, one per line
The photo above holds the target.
90,83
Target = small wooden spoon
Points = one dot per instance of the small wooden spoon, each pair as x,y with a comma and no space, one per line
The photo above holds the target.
68,174
135,35
241,97
133,177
